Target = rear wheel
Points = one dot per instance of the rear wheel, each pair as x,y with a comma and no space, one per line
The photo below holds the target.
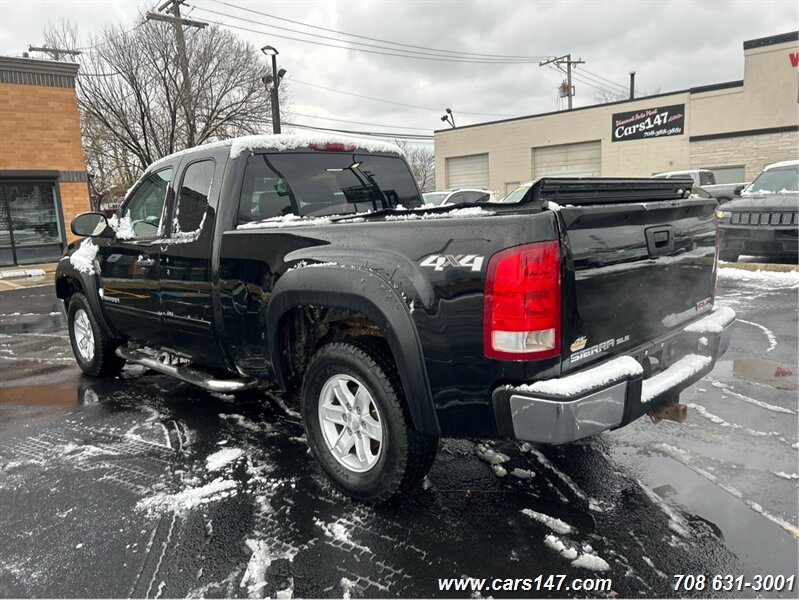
94,351
357,424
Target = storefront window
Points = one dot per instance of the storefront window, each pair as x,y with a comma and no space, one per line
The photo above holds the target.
30,228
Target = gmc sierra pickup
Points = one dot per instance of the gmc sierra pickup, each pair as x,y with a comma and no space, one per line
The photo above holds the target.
312,265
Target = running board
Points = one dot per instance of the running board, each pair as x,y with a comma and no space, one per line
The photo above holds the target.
186,373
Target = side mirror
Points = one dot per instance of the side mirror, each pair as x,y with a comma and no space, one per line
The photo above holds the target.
91,224
737,191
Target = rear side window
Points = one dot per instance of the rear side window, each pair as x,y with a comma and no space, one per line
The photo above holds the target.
324,183
192,200
706,178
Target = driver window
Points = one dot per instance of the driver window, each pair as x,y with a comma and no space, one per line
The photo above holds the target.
146,205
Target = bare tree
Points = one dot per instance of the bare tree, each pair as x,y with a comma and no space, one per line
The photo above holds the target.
129,95
422,162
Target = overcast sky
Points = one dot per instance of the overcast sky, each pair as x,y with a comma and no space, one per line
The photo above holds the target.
671,45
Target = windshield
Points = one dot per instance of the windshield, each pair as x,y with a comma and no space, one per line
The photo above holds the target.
773,181
323,184
517,194
435,197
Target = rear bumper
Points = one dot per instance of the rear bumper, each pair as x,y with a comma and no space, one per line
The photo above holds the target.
609,396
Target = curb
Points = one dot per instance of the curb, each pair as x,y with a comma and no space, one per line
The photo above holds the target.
759,267
16,273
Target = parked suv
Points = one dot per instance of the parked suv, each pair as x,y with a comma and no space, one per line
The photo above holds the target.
764,220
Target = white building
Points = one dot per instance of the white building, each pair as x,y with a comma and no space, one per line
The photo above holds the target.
733,128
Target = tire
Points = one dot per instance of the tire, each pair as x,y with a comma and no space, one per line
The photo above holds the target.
393,457
728,256
93,350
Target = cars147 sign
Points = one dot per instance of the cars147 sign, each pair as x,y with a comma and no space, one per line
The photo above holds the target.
649,123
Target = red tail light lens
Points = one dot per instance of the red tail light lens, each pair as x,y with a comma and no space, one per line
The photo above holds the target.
333,147
521,311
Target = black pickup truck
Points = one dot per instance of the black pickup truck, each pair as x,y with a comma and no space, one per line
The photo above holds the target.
312,266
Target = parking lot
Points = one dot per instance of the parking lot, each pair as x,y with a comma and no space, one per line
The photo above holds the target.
147,487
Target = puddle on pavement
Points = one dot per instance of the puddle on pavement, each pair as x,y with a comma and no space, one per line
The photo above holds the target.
758,370
67,393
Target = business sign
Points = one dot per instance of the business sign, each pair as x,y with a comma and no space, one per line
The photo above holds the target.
648,123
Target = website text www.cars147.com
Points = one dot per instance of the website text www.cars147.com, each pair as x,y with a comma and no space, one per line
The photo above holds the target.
561,583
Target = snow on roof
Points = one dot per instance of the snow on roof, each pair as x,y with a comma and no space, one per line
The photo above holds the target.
287,141
784,163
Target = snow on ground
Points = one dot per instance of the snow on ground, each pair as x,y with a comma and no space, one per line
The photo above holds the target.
772,339
685,458
337,531
245,423
222,458
522,473
726,389
592,503
553,523
766,280
676,521
556,544
492,457
187,499
254,577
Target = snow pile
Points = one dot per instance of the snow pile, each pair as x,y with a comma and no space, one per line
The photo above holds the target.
83,258
346,588
785,475
254,577
471,211
713,323
685,368
522,473
122,226
554,542
573,385
492,457
187,499
245,423
553,523
586,559
222,458
772,280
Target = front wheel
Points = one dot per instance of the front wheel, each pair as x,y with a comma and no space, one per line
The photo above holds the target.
357,424
94,351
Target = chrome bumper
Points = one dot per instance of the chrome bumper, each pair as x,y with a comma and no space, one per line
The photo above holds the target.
610,395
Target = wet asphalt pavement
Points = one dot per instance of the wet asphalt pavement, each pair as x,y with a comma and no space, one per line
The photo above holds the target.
106,490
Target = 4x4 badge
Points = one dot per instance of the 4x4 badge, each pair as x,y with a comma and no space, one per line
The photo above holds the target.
459,261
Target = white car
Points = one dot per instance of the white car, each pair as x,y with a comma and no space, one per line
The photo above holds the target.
706,179
458,196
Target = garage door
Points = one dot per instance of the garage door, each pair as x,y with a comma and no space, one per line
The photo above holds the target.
467,171
575,160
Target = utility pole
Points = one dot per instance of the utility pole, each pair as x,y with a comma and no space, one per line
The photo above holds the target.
178,22
55,53
565,60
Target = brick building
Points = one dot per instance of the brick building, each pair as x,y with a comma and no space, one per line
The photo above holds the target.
733,128
43,181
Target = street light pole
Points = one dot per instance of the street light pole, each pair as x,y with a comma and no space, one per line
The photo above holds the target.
276,76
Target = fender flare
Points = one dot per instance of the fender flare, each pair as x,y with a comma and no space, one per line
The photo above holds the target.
366,292
64,271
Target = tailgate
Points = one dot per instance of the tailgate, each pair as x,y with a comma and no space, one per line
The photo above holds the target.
642,264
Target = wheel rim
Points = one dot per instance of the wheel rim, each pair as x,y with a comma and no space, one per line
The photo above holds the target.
84,336
351,423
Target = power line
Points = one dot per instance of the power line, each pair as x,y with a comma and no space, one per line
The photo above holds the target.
363,37
438,110
286,37
365,133
362,122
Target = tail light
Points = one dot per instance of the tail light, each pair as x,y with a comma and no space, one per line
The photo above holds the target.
521,311
333,147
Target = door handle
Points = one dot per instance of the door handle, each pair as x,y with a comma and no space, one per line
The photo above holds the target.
145,262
